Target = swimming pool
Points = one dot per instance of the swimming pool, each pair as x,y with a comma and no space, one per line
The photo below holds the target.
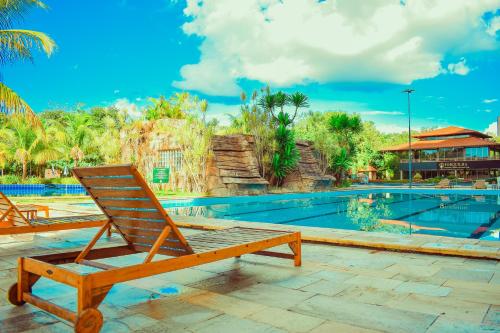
42,189
452,214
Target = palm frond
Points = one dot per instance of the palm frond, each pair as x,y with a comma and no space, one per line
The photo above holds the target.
17,44
12,103
14,10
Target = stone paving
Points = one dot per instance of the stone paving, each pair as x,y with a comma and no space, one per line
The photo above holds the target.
338,289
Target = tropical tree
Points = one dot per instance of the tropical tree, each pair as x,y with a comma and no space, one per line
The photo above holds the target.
345,126
286,156
28,144
17,45
314,128
80,137
297,100
176,107
341,162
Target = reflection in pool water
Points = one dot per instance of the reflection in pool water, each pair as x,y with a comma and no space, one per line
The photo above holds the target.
454,215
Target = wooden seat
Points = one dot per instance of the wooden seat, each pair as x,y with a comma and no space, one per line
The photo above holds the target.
13,221
139,218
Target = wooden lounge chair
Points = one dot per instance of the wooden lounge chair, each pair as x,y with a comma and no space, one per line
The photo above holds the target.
137,215
13,221
444,183
480,184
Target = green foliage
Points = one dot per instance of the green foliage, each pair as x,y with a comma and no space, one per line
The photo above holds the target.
18,45
10,179
265,117
417,177
286,156
176,107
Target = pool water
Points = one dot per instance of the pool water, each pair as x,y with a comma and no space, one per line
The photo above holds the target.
42,190
449,214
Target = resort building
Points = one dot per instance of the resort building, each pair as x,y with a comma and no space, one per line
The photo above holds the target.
450,151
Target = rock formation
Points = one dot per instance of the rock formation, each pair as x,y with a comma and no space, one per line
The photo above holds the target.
307,176
233,168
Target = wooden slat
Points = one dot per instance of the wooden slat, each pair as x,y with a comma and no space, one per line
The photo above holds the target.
136,180
96,264
29,228
115,170
162,266
110,182
4,206
128,223
67,257
113,193
167,252
151,241
140,232
127,203
133,213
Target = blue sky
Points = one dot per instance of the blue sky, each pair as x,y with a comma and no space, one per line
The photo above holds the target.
345,55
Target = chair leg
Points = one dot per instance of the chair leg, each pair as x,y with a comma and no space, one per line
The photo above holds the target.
296,248
89,318
25,282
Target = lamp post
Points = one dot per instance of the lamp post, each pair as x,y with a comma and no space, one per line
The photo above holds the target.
410,157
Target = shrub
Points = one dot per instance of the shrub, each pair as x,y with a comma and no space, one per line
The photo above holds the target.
417,177
67,181
33,180
345,183
10,179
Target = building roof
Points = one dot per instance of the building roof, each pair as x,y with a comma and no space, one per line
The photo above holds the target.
451,131
445,143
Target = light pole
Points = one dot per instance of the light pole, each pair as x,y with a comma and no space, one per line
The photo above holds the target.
410,157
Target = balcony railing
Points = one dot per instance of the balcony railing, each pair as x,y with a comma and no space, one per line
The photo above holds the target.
451,159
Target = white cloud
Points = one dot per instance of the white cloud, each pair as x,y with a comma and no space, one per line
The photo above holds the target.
489,101
494,26
129,108
221,111
491,129
459,68
302,41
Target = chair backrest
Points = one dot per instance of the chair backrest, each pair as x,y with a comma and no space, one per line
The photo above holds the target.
126,199
9,212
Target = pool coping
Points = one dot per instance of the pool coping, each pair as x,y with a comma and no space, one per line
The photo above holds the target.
415,243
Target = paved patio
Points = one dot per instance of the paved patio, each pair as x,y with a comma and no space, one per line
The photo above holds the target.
337,289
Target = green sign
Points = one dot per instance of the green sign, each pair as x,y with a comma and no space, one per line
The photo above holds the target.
161,175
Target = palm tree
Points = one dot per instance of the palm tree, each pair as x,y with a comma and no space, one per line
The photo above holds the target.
27,144
17,45
281,99
298,100
79,137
